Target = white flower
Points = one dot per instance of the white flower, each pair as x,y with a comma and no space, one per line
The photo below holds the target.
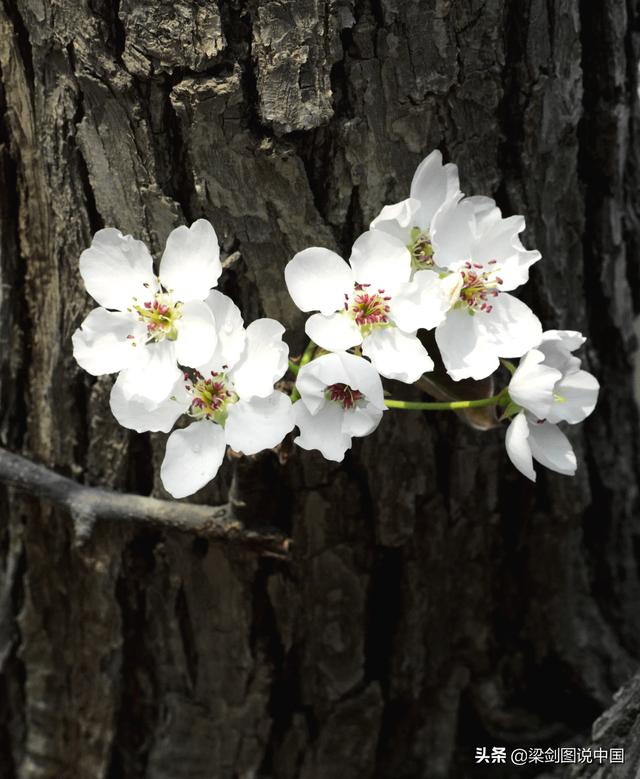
411,220
366,302
482,250
549,387
462,250
230,400
152,323
528,439
341,396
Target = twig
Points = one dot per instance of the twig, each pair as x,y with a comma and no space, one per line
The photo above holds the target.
86,505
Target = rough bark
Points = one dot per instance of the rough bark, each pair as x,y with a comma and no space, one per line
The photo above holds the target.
434,601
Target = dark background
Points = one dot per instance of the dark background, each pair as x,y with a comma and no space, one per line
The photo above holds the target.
434,601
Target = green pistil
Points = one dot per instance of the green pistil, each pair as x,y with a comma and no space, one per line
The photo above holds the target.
211,398
159,316
420,249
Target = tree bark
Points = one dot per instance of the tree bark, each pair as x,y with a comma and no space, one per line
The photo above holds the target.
434,601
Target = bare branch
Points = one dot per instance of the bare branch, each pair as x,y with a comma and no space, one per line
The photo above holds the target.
86,505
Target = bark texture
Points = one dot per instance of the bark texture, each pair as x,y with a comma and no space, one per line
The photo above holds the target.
434,602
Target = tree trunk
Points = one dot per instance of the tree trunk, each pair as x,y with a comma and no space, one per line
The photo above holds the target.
434,601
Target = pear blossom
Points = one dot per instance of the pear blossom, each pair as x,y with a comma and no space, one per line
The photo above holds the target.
482,252
366,302
230,400
147,325
411,221
549,387
465,247
341,396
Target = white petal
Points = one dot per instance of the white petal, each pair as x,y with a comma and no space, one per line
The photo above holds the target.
153,374
116,268
259,423
511,327
500,242
380,260
532,385
361,420
465,353
551,448
518,448
452,235
334,333
230,331
101,343
322,431
263,362
190,265
397,355
557,346
137,414
577,395
197,336
318,279
338,368
432,184
193,458
423,302
397,220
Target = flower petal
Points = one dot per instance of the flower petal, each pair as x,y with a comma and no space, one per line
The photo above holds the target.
397,355
193,458
499,242
334,333
532,384
318,279
263,362
453,234
551,448
518,448
557,346
576,397
423,301
197,336
465,353
190,265
511,327
338,368
361,420
230,330
432,184
380,260
153,374
116,269
102,345
397,220
322,431
137,414
259,423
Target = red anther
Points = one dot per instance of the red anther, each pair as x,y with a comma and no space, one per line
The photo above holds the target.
468,264
147,305
346,306
477,265
492,262
499,280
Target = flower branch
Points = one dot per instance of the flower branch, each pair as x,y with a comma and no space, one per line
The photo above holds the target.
87,505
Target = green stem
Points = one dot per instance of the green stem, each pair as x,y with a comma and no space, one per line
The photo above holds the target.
454,405
294,367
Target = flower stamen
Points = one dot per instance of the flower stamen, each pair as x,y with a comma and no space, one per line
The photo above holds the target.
343,395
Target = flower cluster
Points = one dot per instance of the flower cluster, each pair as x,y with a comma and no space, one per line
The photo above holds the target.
436,261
